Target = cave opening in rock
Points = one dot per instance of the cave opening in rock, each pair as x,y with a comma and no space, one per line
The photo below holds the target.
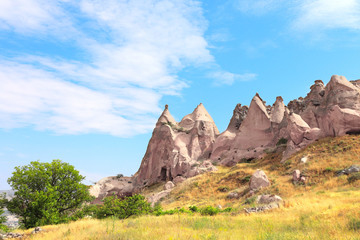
353,132
163,174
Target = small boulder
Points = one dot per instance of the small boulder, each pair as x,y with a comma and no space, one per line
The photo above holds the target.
258,180
349,170
296,175
267,199
303,179
36,230
169,185
304,159
233,195
178,179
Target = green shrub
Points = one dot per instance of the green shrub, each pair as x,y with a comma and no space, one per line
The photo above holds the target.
250,200
281,141
354,224
245,179
119,175
193,208
228,209
209,210
123,208
354,177
2,218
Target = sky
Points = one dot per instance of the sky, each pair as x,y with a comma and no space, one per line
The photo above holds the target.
85,81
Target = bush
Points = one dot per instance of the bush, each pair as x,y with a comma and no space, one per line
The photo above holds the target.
193,209
281,141
123,208
119,175
354,177
2,218
354,224
209,210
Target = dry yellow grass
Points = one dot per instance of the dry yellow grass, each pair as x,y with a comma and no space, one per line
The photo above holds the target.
320,209
310,216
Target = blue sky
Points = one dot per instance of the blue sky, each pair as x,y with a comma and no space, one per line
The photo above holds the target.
85,81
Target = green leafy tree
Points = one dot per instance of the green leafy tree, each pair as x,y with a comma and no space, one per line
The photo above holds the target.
123,208
2,218
46,193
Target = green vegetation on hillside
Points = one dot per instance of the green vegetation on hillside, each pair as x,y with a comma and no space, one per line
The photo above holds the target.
326,206
46,193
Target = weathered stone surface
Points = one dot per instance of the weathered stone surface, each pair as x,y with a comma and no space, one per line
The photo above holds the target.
349,170
153,199
258,180
267,199
233,195
187,148
119,186
175,148
169,185
304,159
296,175
178,180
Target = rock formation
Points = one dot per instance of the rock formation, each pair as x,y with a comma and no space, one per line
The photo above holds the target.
179,150
175,149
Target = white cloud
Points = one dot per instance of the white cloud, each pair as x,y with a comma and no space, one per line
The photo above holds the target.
227,78
133,59
328,14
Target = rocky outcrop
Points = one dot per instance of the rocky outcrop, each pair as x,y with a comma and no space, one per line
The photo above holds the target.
109,186
258,180
178,149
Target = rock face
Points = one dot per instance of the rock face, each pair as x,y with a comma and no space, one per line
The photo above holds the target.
119,186
175,148
179,150
258,180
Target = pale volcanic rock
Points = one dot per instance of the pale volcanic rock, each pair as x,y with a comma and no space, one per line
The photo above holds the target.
177,151
108,186
169,185
277,113
258,180
224,140
175,148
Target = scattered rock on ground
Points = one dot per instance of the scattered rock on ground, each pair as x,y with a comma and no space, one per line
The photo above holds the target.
262,208
36,230
349,170
178,179
11,235
169,185
296,175
267,199
304,159
158,196
259,180
233,195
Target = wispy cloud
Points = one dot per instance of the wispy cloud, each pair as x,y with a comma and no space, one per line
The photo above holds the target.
134,51
228,78
305,15
327,14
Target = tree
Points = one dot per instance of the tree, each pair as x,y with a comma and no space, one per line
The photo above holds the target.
2,218
123,208
46,193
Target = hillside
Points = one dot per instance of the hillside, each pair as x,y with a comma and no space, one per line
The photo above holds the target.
326,206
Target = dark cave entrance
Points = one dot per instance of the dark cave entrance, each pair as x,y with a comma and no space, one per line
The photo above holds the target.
353,132
163,174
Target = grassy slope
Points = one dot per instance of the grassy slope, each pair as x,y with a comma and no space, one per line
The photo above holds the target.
320,209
